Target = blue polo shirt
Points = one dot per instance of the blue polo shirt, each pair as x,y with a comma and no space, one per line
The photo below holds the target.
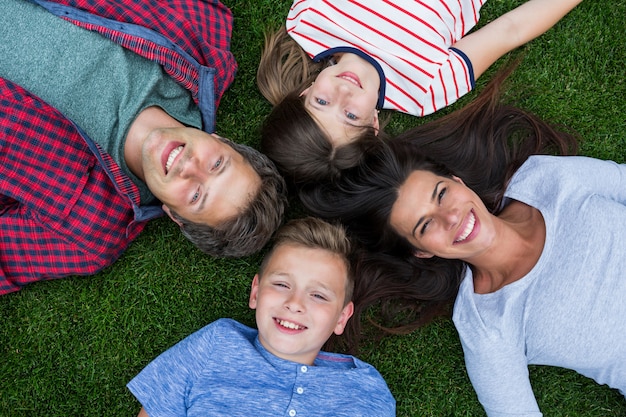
223,370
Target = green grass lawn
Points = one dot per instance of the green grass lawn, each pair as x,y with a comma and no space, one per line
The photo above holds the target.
68,347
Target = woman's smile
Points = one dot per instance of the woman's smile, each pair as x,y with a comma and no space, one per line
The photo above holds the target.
468,229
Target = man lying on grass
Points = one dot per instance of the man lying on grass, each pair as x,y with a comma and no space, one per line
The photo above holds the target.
107,121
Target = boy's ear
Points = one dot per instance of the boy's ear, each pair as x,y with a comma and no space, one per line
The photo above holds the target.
422,254
167,211
346,313
254,290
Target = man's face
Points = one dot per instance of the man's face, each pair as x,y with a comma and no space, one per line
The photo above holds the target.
300,301
197,175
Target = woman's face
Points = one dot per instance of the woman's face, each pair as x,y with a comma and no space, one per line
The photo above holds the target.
442,217
343,98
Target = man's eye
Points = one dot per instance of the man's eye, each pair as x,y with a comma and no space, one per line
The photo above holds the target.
351,116
218,163
195,197
321,101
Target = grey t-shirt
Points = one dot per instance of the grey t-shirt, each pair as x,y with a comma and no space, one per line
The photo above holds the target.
96,83
569,310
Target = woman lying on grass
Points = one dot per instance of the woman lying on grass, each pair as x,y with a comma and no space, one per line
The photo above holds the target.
532,248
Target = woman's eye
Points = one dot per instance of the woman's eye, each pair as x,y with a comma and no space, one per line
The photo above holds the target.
425,227
321,101
351,116
442,193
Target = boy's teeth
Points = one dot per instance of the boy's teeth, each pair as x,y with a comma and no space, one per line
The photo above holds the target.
289,325
172,156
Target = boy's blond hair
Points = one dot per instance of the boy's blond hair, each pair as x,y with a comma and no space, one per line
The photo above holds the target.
314,233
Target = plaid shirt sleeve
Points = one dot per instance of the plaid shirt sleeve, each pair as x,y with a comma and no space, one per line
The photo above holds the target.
60,213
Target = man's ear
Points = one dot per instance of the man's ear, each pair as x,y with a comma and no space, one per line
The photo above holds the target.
254,290
421,254
167,211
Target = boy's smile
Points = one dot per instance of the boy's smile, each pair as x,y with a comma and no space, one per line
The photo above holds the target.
300,301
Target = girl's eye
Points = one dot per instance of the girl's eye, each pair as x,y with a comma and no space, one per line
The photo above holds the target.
351,116
321,101
195,197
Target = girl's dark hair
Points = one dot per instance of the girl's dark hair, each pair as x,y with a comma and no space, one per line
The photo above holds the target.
290,136
483,143
301,150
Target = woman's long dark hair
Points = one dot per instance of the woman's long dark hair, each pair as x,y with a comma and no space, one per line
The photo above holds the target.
483,143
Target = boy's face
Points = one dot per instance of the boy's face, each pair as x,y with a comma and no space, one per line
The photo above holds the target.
299,301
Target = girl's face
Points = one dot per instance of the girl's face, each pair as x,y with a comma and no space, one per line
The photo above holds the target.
442,217
343,98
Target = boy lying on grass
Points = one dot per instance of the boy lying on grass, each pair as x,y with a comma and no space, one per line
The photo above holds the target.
302,295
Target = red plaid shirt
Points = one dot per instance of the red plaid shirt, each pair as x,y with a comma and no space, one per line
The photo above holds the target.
65,206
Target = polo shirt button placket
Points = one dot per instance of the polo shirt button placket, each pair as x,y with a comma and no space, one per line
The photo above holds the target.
299,390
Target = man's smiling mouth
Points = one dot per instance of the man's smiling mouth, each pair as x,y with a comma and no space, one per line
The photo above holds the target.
172,156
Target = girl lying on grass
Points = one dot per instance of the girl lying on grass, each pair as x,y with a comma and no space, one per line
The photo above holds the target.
335,64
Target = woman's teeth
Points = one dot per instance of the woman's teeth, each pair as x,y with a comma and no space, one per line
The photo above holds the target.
468,227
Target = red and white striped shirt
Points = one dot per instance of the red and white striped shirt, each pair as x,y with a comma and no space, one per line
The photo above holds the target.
410,40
